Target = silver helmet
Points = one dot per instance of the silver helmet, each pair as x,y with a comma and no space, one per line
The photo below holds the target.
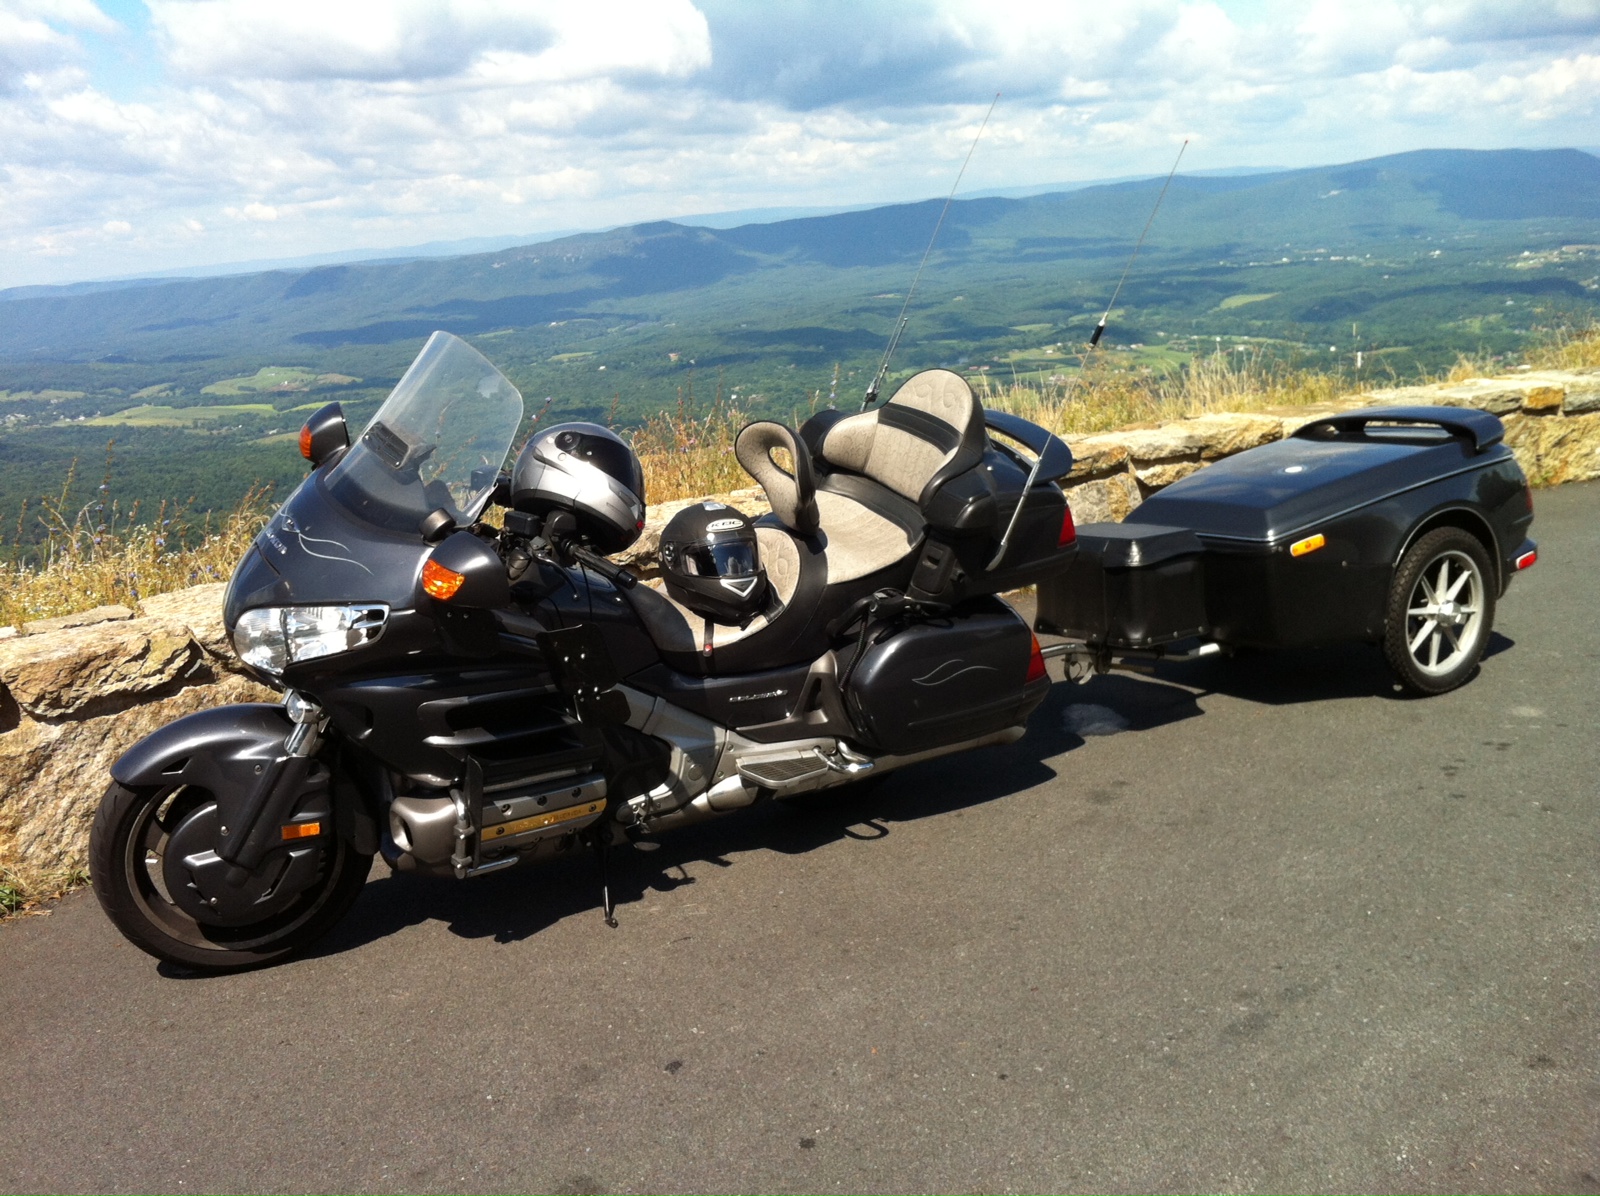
589,471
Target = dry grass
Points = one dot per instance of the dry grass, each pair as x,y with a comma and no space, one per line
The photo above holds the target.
1103,396
23,890
1568,349
687,455
101,553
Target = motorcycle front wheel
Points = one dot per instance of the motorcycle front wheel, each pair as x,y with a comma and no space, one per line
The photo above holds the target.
128,868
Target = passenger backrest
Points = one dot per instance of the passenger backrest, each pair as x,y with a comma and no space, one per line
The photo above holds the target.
931,430
791,493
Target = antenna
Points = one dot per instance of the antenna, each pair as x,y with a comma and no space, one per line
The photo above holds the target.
1083,362
1099,329
900,321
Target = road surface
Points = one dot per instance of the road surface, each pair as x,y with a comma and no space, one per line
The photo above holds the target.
1253,925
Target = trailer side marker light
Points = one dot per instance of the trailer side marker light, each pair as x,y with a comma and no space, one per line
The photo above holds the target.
305,441
1035,664
1069,531
439,582
1527,559
1309,544
301,830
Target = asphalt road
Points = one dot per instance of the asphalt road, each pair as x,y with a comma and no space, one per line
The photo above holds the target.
1258,925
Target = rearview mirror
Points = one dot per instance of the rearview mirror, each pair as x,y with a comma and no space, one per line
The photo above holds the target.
465,572
325,435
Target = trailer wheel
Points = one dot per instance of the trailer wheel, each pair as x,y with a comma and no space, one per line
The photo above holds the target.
1441,608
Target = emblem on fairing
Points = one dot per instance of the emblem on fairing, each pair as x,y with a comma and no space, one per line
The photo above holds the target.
950,670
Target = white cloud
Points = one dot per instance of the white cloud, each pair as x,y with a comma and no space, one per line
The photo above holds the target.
292,127
505,41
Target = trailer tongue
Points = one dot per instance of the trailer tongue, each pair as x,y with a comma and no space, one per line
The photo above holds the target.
1399,526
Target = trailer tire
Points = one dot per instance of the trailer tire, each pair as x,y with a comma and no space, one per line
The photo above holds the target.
1440,611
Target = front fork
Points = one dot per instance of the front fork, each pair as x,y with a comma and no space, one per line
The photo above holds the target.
280,783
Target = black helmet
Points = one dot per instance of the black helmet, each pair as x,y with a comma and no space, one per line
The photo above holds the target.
712,565
588,470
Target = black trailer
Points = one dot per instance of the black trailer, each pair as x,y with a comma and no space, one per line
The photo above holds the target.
1398,526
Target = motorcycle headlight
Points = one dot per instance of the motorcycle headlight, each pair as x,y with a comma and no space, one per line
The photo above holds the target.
270,637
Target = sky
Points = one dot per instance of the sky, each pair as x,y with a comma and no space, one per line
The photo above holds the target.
149,135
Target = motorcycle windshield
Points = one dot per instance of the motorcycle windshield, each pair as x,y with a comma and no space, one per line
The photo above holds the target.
438,441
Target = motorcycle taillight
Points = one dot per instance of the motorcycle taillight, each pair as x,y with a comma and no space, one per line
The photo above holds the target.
1036,661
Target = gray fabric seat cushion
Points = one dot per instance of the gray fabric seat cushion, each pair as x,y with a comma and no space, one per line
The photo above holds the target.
858,540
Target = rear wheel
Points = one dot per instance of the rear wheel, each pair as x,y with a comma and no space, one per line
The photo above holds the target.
141,848
1441,610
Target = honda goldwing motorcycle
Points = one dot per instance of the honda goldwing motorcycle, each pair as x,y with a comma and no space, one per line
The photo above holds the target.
463,697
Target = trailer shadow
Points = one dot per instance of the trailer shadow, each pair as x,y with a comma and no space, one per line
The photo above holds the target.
1296,676
521,902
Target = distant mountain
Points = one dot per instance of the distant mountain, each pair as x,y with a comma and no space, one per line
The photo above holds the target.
1445,194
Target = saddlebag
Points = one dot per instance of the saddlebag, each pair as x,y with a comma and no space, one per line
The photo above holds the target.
1131,585
930,684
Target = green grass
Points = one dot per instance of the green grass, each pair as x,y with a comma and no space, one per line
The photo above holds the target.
180,417
1233,301
277,378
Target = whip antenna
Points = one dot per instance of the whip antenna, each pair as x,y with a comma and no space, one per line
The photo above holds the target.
1083,362
900,321
1100,328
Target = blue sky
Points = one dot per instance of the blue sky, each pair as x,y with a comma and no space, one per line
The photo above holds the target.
145,135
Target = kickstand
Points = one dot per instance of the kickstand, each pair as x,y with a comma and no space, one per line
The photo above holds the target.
602,850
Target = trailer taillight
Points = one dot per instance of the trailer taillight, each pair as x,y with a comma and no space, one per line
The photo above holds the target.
1069,531
1036,661
1527,559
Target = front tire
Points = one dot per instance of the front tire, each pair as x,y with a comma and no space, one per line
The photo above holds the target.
127,866
1441,610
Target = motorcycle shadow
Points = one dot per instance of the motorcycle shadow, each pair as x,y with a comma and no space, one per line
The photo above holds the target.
1296,676
519,903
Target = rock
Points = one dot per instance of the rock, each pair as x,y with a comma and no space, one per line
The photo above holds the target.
1096,456
1102,500
1543,400
1225,435
1167,442
53,774
1164,473
82,618
63,672
1553,451
1583,396
198,608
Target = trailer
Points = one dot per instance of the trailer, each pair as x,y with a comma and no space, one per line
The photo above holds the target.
1397,526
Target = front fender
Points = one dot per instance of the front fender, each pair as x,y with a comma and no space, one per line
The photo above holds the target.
220,749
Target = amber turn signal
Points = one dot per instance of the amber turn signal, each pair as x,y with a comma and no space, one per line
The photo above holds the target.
305,441
302,830
1309,544
439,582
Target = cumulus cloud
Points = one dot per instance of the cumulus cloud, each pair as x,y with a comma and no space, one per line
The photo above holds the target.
292,127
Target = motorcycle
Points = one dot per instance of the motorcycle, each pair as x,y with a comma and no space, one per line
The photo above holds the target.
463,694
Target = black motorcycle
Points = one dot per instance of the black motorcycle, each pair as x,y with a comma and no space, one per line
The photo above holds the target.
465,694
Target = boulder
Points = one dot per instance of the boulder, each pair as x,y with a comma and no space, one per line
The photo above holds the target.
53,774
199,609
82,618
1102,500
65,672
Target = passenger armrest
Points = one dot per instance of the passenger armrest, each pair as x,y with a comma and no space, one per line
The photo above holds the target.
1056,457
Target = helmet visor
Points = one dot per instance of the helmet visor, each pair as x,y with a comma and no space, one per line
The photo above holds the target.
734,559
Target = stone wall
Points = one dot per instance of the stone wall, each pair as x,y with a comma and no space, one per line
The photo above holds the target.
79,691
76,692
